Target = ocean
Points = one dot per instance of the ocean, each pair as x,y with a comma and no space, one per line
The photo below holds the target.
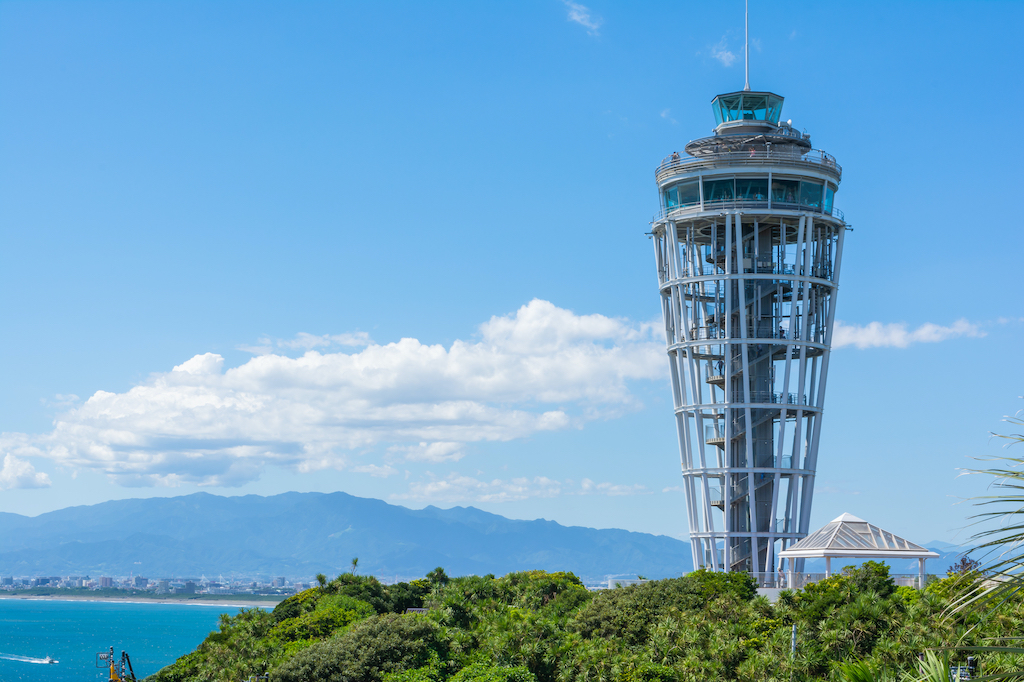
73,632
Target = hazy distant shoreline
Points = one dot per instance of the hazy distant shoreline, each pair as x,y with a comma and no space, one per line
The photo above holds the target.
227,600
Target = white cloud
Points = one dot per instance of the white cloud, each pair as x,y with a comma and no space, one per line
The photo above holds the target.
667,115
431,452
305,341
460,488
896,334
588,487
581,15
374,470
205,364
17,473
61,401
723,54
542,368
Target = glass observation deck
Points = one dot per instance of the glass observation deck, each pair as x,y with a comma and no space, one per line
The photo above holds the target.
747,106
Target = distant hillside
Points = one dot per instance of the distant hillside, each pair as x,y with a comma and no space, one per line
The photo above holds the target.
301,534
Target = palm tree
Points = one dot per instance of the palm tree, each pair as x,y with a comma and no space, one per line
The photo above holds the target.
1001,544
355,563
1003,571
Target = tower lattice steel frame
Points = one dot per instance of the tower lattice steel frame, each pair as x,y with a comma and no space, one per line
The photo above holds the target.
748,248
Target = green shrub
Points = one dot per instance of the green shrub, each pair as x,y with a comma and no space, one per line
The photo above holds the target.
367,651
629,612
332,612
480,672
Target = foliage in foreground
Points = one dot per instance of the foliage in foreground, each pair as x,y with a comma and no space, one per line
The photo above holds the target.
546,627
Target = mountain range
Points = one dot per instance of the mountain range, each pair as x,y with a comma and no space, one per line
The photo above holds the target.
298,535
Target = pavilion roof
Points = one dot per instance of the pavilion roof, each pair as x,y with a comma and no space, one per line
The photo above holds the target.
848,536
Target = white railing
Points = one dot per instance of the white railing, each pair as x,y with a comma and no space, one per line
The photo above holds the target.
762,268
801,580
752,156
748,204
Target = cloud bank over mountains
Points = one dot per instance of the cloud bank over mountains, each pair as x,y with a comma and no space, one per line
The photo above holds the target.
349,403
542,368
17,473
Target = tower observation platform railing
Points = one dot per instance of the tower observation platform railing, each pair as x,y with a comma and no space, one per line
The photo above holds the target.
713,333
749,205
757,155
762,268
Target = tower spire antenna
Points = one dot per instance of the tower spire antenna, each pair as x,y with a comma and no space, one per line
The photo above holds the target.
746,44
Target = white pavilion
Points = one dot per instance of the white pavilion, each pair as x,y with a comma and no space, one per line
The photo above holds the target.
847,537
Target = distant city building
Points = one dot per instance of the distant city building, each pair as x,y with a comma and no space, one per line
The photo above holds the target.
7,581
139,581
106,581
278,582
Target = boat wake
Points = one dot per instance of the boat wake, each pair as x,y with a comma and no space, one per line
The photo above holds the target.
26,659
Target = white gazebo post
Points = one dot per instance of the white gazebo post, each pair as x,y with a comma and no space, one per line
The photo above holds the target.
920,573
828,567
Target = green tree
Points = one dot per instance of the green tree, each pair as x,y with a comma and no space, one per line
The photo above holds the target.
368,650
438,576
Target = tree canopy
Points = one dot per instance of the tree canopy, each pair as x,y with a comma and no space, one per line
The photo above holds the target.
536,626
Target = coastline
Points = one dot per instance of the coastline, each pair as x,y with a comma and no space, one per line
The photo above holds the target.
229,600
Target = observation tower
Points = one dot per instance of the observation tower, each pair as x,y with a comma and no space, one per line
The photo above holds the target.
748,247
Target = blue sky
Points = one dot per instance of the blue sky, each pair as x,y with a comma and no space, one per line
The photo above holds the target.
398,249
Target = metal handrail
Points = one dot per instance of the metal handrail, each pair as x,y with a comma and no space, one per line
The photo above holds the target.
712,332
752,156
820,272
706,333
781,579
773,397
749,204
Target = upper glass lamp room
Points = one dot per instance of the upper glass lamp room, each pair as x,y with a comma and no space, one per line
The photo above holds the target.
737,109
748,117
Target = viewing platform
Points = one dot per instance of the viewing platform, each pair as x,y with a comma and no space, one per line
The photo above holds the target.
748,205
756,155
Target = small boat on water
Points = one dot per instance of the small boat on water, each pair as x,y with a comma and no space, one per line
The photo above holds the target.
28,659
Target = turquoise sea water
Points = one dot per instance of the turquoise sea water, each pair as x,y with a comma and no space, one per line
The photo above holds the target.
73,632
